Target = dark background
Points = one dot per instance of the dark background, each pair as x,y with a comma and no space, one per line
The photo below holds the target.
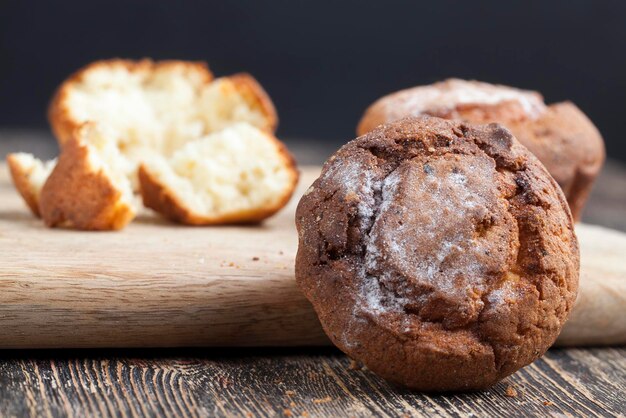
324,62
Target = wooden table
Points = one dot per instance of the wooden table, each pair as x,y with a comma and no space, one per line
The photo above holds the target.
304,381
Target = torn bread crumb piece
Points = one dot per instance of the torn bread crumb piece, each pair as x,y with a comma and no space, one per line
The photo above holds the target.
159,105
29,175
88,188
150,110
237,175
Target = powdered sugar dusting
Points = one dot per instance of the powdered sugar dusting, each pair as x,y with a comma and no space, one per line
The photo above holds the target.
358,182
450,200
372,295
454,92
389,189
423,235
418,230
503,294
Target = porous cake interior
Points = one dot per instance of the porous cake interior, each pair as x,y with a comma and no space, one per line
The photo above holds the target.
160,110
237,169
105,157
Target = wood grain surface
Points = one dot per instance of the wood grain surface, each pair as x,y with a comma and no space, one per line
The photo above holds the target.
157,284
289,382
153,284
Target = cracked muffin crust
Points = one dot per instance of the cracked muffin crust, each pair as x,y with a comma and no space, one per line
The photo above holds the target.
560,134
441,255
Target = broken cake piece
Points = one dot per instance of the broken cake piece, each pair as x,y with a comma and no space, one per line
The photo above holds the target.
240,174
89,188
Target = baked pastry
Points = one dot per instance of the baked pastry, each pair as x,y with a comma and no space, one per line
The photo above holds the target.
89,188
441,255
157,106
29,175
560,135
239,174
147,112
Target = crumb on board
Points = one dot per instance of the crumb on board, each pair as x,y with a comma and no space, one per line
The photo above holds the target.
322,400
548,403
354,365
224,381
510,391
255,258
281,252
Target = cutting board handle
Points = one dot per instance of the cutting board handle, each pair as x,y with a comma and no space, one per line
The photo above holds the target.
599,315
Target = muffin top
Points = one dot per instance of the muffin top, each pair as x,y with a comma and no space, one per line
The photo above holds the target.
440,254
559,134
453,98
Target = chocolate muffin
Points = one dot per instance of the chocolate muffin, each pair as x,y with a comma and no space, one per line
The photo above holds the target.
441,255
560,135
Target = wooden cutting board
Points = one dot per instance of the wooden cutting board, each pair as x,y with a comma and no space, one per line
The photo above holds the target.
158,284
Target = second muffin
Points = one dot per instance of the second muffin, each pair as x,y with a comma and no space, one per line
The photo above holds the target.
560,134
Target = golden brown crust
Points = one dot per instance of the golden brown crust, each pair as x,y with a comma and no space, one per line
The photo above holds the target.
257,97
570,147
447,98
372,118
78,196
562,137
60,115
441,255
161,199
22,183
